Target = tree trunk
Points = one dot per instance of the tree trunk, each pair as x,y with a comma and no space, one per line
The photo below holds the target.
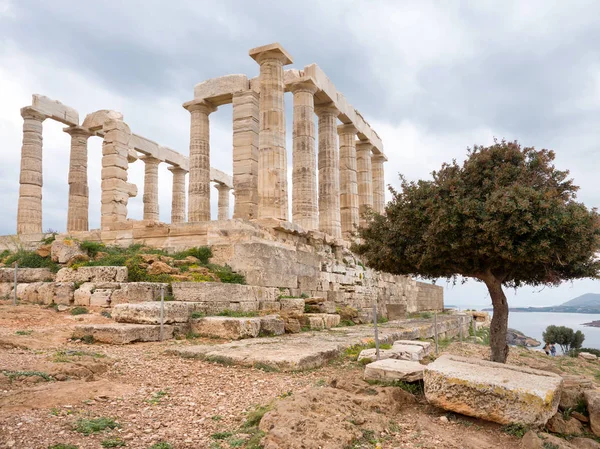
499,324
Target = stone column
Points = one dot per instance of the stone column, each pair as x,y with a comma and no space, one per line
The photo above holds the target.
348,181
245,154
199,179
178,201
150,197
116,191
29,214
272,157
329,171
77,216
223,201
377,161
304,172
365,179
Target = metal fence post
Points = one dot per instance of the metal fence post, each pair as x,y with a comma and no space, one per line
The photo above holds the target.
435,332
376,331
461,328
162,310
15,296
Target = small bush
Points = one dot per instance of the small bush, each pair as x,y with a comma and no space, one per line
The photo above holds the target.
112,442
255,416
575,352
198,314
354,351
31,259
48,240
106,314
516,430
28,332
79,310
14,374
161,445
92,248
63,446
88,339
89,426
226,274
202,253
221,435
237,314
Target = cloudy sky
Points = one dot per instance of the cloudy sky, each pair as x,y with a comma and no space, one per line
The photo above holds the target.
431,77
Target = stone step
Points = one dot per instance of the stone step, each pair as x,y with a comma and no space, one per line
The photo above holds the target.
149,312
226,327
318,321
392,369
121,334
496,392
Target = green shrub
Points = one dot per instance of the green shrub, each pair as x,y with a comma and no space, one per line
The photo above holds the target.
221,435
92,248
237,314
564,336
63,446
79,310
202,253
4,254
89,426
255,416
226,274
48,240
88,339
31,259
14,374
354,351
112,442
516,430
28,332
161,445
198,314
575,352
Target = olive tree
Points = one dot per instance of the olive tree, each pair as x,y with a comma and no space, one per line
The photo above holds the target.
506,217
564,337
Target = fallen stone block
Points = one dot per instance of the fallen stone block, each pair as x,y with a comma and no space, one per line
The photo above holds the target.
558,424
136,292
26,275
592,399
371,354
226,327
64,251
269,305
218,292
492,391
92,274
271,325
587,356
292,304
391,370
120,334
427,346
149,312
408,352
572,390
100,297
331,320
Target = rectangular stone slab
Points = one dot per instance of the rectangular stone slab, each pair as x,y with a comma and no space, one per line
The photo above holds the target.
121,334
492,391
392,369
149,312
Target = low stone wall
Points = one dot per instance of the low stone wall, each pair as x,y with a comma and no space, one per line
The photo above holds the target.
429,297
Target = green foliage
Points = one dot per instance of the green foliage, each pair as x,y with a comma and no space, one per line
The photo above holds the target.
575,352
63,446
161,445
88,339
347,323
48,240
254,417
354,351
226,274
106,314
549,445
31,259
4,254
157,397
198,314
89,426
202,253
517,430
237,314
27,332
92,248
382,319
12,375
112,442
221,435
563,336
79,310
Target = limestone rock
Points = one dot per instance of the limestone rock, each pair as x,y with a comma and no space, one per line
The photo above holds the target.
274,306
135,292
44,250
6,290
219,292
408,351
226,327
92,274
371,354
584,443
149,312
557,424
492,391
531,441
390,370
292,326
101,297
572,391
271,325
120,334
26,275
292,304
592,398
587,356
63,251
159,267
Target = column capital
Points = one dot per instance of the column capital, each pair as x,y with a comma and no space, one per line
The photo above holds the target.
379,157
78,131
364,145
150,160
219,186
271,51
348,128
200,104
30,113
304,84
176,169
327,109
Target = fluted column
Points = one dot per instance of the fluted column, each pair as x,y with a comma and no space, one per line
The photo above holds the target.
348,181
29,214
77,216
272,157
223,201
365,179
150,197
178,201
245,154
304,172
199,179
377,161
329,171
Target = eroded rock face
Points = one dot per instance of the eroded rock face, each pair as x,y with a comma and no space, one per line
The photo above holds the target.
26,275
149,312
226,327
391,370
492,391
557,424
271,325
572,391
92,274
64,251
120,334
592,398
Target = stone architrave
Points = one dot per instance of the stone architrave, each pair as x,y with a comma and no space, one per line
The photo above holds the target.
150,198
116,191
304,173
199,178
223,201
178,199
348,180
377,161
272,157
245,154
77,216
365,179
329,171
29,214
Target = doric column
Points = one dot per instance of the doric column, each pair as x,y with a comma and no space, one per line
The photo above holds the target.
304,171
29,214
272,157
116,191
77,216
329,171
377,161
199,179
348,182
245,154
178,201
365,179
223,201
150,197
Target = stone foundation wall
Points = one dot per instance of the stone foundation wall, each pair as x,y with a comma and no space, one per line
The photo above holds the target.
429,297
